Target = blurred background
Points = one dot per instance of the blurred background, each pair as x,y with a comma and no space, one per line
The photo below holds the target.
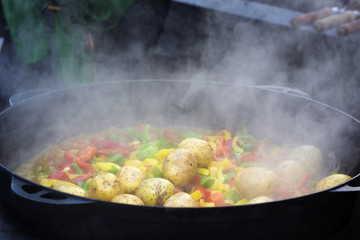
50,45
58,44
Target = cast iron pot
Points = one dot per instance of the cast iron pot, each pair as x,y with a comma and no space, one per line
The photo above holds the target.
285,117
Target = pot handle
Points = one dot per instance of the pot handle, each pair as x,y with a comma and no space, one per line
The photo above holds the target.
285,90
38,193
352,186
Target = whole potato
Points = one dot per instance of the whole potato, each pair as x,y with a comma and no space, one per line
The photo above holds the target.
71,189
128,199
331,181
253,182
309,157
290,172
131,178
105,186
179,167
201,150
181,199
260,199
155,191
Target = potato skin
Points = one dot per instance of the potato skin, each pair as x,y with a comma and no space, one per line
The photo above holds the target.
155,191
68,188
290,172
179,167
253,182
331,181
131,178
310,157
105,186
181,199
128,199
201,150
260,199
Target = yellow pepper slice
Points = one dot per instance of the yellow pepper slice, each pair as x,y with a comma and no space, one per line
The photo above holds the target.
106,166
150,161
203,171
235,147
50,183
161,154
197,195
225,164
242,202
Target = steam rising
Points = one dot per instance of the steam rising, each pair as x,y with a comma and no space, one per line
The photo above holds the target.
229,49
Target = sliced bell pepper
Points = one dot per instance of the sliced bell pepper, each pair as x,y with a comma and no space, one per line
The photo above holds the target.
169,136
87,168
206,193
69,157
86,153
207,181
116,158
59,175
122,151
218,199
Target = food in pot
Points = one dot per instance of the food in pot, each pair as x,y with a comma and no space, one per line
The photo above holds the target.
155,191
105,186
128,199
181,199
260,199
131,178
309,157
331,181
64,186
179,167
254,182
211,168
201,150
290,172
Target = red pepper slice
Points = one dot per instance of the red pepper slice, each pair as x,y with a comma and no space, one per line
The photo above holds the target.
206,193
86,153
87,168
69,157
121,151
223,147
217,198
106,144
169,136
195,181
59,175
231,182
65,165
248,157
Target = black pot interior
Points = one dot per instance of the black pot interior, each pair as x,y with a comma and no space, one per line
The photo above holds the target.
31,126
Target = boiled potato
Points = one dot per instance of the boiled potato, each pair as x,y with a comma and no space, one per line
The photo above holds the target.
155,191
131,178
290,172
309,157
331,181
128,199
253,182
179,167
105,186
181,199
71,189
201,150
260,199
